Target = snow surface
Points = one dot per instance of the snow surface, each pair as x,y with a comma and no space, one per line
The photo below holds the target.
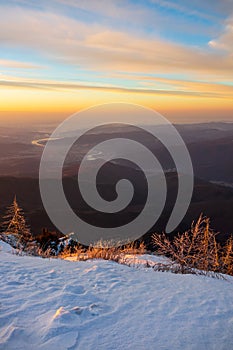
55,304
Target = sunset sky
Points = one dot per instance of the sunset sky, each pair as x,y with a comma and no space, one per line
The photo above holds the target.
59,56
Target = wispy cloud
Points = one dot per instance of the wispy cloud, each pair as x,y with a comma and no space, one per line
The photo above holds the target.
199,8
202,90
98,47
115,49
179,84
225,39
18,64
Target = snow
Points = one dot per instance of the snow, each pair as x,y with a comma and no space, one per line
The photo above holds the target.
56,304
4,247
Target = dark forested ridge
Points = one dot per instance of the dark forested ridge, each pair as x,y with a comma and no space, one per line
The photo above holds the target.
213,200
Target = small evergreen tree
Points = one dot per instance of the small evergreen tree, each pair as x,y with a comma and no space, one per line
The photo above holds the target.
15,225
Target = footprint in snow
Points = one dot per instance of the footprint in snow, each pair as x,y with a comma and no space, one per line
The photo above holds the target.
91,310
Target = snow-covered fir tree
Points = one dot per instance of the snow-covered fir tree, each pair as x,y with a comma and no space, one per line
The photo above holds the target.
15,226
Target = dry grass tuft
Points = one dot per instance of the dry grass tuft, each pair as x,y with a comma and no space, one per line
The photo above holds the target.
104,250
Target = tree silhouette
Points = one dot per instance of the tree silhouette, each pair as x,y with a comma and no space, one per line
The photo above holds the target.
15,224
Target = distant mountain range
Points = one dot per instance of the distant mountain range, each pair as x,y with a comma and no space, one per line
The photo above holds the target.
210,147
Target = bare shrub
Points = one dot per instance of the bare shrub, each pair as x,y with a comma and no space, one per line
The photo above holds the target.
196,250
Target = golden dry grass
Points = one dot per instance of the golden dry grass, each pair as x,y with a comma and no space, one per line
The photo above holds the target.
103,250
197,249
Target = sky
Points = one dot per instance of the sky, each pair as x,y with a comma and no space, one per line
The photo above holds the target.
60,56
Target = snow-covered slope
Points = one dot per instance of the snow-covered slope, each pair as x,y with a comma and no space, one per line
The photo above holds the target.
55,304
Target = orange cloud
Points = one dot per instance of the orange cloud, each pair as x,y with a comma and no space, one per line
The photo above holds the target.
173,87
18,64
225,40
